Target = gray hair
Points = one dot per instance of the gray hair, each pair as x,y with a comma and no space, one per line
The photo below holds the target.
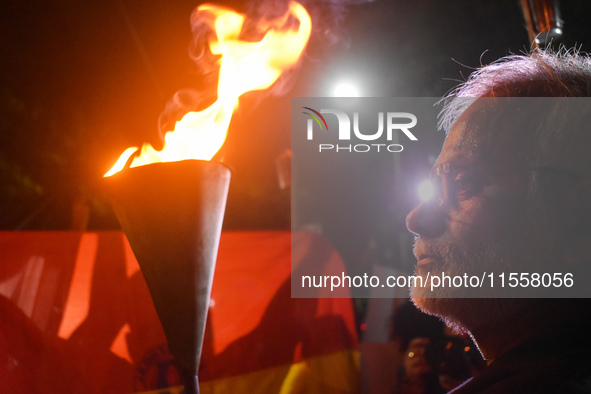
562,136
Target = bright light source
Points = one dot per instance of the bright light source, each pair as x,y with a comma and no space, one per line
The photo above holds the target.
346,90
426,190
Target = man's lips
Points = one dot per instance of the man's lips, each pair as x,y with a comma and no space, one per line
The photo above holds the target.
424,260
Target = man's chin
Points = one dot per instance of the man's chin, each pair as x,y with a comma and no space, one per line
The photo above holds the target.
447,303
467,314
431,305
436,302
428,293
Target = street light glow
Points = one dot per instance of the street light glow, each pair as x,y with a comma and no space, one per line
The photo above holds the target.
345,89
426,190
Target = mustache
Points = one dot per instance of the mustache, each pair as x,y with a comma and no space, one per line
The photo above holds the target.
423,248
458,252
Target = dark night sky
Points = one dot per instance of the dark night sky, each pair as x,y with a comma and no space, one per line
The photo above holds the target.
82,80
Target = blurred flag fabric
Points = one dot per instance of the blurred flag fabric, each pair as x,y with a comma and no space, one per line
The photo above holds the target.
76,317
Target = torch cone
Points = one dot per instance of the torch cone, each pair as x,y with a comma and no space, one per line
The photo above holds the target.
172,215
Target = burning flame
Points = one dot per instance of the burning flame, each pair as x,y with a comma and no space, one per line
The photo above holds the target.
244,66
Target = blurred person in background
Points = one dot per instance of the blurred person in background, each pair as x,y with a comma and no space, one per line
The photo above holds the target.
432,358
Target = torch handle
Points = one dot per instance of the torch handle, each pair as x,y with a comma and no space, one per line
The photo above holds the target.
191,383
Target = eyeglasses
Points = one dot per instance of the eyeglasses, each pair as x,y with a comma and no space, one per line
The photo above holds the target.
463,182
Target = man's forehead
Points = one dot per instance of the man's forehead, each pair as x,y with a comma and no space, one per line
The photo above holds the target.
484,134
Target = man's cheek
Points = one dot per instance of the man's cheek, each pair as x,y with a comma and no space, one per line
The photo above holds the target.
464,221
483,218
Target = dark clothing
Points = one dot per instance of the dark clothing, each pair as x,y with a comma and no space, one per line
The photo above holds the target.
559,363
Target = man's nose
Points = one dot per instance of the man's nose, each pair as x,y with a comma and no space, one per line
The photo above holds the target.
426,220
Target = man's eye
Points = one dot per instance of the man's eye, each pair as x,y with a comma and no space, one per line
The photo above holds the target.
467,185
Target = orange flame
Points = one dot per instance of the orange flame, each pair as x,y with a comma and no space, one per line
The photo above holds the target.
244,66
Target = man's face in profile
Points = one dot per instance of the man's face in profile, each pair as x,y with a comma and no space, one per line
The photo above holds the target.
482,219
